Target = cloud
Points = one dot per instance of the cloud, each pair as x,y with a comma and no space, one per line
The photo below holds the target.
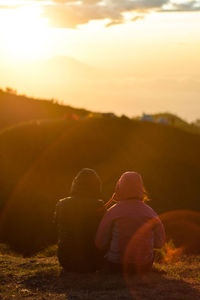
187,6
71,13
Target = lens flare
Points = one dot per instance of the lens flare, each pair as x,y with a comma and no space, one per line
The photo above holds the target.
183,235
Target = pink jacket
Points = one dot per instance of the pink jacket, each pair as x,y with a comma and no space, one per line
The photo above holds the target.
130,229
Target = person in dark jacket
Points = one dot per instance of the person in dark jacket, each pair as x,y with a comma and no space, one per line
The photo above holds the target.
77,219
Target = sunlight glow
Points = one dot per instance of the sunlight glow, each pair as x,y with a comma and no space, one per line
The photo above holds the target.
24,33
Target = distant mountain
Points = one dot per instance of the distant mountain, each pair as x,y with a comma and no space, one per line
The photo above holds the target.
70,65
60,77
63,70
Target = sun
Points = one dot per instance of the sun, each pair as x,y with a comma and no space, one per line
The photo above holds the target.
24,33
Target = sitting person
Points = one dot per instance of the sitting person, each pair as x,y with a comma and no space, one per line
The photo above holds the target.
77,218
130,229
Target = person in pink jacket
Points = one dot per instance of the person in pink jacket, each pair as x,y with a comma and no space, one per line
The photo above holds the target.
130,229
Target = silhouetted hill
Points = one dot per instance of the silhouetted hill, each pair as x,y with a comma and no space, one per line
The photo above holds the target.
39,160
17,108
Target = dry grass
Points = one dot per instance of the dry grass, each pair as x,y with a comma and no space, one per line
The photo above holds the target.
41,277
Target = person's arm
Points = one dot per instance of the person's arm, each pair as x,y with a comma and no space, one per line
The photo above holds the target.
104,232
101,210
159,234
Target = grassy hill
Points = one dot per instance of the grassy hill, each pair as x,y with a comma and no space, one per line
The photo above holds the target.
39,160
176,121
16,109
40,277
42,147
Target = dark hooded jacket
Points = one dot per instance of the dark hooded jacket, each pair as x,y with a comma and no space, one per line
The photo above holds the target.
77,219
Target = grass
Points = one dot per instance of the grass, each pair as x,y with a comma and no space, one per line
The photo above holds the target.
41,277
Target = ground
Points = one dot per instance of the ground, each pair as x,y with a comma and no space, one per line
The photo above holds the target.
42,278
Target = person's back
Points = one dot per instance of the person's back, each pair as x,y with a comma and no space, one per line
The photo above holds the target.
130,229
77,220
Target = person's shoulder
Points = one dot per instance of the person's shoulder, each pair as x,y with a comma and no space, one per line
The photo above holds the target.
63,201
150,209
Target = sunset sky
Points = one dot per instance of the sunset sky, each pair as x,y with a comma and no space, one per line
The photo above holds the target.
125,56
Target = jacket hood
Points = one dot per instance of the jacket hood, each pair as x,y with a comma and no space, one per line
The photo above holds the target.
130,186
86,184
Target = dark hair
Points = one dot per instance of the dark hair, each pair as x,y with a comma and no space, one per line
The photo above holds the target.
87,183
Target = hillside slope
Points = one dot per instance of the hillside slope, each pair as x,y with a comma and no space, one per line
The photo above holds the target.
39,160
16,109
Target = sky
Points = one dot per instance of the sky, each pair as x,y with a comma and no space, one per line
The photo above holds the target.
125,56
